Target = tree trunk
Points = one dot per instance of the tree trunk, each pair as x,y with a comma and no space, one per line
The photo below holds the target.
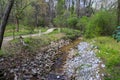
84,3
36,18
78,8
17,24
51,9
118,12
5,20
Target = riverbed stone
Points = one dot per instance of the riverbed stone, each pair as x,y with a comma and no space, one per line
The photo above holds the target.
85,66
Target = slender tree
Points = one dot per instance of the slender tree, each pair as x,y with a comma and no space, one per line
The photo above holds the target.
19,8
78,8
51,9
60,7
5,19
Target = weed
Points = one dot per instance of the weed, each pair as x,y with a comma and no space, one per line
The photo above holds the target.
110,54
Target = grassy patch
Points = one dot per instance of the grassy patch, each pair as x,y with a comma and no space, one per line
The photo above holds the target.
110,54
23,30
71,33
34,44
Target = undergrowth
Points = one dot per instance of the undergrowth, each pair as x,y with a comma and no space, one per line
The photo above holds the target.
110,54
71,33
23,30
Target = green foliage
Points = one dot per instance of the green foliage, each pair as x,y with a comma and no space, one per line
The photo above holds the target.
72,9
71,33
60,21
92,30
60,7
10,29
66,20
116,34
23,30
110,54
72,21
82,23
102,23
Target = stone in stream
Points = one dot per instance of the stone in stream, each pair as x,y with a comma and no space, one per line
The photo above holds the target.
56,77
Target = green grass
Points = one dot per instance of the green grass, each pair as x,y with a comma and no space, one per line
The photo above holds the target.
23,30
110,54
34,44
71,33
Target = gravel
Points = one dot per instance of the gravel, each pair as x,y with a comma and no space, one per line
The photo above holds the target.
85,65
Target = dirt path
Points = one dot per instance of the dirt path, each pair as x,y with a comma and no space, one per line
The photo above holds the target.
7,39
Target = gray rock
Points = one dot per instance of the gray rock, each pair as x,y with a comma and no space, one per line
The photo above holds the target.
85,66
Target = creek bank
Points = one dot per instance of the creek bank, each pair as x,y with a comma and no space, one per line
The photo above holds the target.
26,66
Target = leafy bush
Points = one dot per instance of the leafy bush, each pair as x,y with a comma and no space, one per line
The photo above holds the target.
72,21
92,30
82,23
102,23
71,33
59,21
66,20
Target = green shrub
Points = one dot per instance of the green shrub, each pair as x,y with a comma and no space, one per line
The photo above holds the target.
59,21
71,33
72,21
82,23
102,23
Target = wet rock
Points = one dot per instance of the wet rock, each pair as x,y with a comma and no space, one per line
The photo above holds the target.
2,59
102,65
55,77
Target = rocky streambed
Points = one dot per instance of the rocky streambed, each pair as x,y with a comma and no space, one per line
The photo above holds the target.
54,63
82,63
27,66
